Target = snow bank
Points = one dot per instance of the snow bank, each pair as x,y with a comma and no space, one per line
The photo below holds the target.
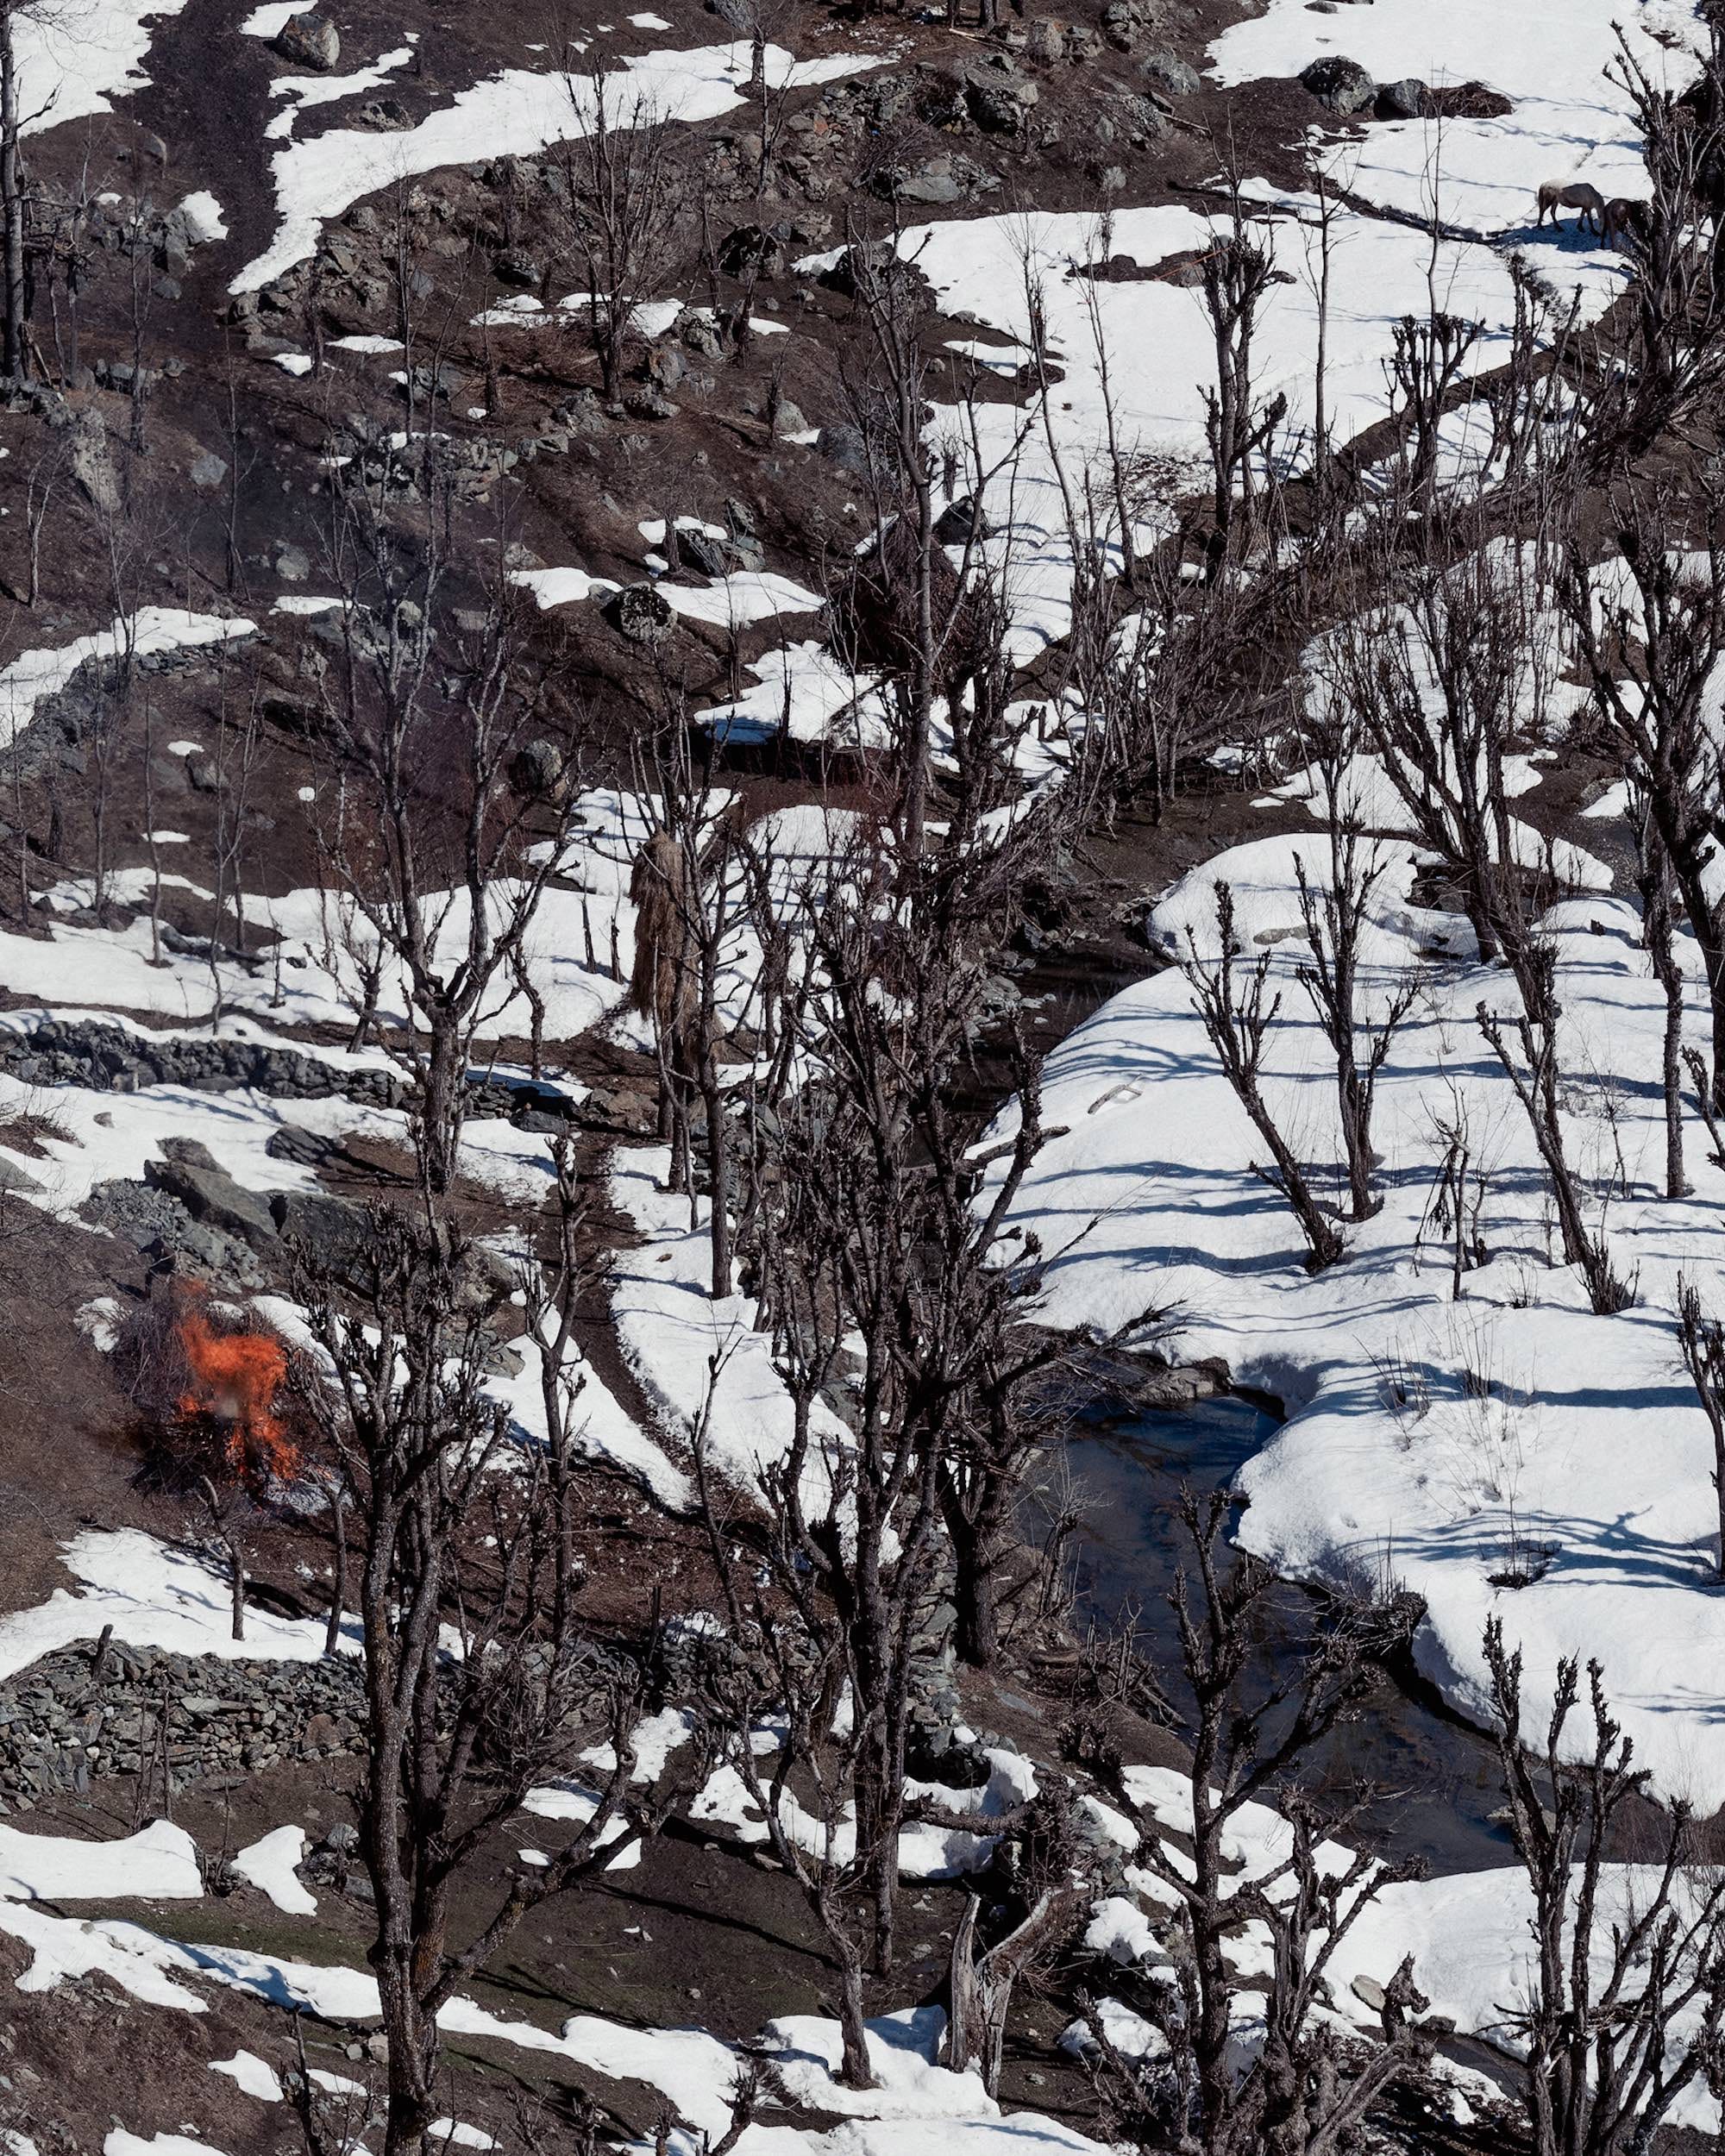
255,2076
75,59
154,1596
517,113
271,1864
1458,1449
157,1864
1568,122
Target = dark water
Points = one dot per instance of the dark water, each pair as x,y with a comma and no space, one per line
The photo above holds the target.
1437,1779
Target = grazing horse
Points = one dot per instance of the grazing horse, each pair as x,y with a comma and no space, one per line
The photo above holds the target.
1575,194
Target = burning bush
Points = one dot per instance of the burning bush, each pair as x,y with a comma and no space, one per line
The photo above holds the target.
214,1388
236,1381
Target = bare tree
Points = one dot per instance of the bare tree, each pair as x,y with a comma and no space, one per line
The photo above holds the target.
1659,936
926,622
1526,1045
1677,356
14,202
1307,2090
621,198
1628,1982
1702,1339
1435,685
554,1288
455,1738
1651,654
1335,914
1238,272
438,865
1428,358
1238,1012
1044,1862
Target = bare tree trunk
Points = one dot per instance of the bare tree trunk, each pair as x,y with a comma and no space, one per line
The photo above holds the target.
221,1519
338,1589
12,195
1658,934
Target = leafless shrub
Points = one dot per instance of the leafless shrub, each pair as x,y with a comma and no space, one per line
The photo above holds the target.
1238,1012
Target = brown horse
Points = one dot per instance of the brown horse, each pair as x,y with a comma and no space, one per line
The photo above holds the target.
1557,195
1624,218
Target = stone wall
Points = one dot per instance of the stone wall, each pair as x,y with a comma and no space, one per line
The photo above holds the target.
61,1725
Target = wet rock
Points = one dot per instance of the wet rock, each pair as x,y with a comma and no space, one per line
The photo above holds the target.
110,1058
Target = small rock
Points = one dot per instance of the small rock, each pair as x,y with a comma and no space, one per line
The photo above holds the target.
1409,99
538,770
931,182
1339,83
309,39
639,614
1169,72
387,114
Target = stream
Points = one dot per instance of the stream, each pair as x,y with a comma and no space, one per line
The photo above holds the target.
1436,1779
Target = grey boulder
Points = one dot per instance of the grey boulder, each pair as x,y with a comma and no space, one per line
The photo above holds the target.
309,39
1339,83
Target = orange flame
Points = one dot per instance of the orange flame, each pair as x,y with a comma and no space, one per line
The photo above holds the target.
236,1378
